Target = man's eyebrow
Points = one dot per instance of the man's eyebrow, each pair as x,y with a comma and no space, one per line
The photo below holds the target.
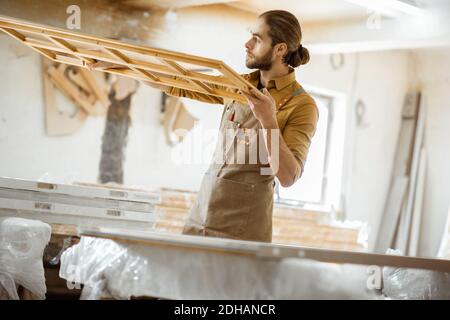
256,34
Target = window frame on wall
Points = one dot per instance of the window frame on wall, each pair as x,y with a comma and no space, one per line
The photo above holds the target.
328,198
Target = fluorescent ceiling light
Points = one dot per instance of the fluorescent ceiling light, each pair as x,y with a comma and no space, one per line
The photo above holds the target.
391,8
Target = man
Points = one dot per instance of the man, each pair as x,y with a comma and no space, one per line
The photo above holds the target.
235,199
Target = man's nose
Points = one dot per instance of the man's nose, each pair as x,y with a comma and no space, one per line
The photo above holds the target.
247,45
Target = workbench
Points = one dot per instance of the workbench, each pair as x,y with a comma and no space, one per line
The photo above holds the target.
114,263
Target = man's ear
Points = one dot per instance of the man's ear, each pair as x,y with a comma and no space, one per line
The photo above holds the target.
281,49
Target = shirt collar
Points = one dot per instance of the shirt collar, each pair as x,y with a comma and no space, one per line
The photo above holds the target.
279,82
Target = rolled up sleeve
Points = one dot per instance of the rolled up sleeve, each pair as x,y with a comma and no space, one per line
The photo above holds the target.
298,133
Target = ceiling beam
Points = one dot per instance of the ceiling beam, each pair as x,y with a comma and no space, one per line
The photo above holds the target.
171,4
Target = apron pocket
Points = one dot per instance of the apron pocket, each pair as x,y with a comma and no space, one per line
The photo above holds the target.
229,206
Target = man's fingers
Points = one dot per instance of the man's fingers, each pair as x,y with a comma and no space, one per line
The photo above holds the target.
268,95
248,94
249,102
266,92
254,98
258,94
262,96
249,98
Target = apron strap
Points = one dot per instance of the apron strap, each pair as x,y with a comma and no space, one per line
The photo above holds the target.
286,99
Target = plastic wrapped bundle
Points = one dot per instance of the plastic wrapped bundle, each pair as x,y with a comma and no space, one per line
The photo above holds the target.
22,244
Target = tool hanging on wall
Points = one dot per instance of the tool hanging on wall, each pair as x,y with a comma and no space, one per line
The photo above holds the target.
87,92
175,118
360,114
158,66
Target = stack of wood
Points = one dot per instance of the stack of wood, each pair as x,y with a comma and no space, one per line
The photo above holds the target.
400,224
291,225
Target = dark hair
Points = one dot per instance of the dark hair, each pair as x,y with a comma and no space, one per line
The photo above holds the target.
285,28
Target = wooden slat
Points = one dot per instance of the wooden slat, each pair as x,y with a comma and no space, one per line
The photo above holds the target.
391,215
239,81
70,47
164,69
180,84
106,43
444,248
165,81
420,127
70,41
17,35
174,66
94,86
183,72
401,170
413,249
123,58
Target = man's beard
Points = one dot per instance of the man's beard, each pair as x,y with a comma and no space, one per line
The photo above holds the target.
263,63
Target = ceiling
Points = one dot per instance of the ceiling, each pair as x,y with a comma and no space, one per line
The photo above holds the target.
347,25
307,10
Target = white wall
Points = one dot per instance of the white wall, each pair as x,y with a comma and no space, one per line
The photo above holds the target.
26,151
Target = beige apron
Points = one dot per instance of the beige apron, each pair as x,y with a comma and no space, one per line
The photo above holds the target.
235,200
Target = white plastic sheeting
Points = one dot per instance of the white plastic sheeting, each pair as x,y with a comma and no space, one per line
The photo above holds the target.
8,290
111,269
415,284
22,244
